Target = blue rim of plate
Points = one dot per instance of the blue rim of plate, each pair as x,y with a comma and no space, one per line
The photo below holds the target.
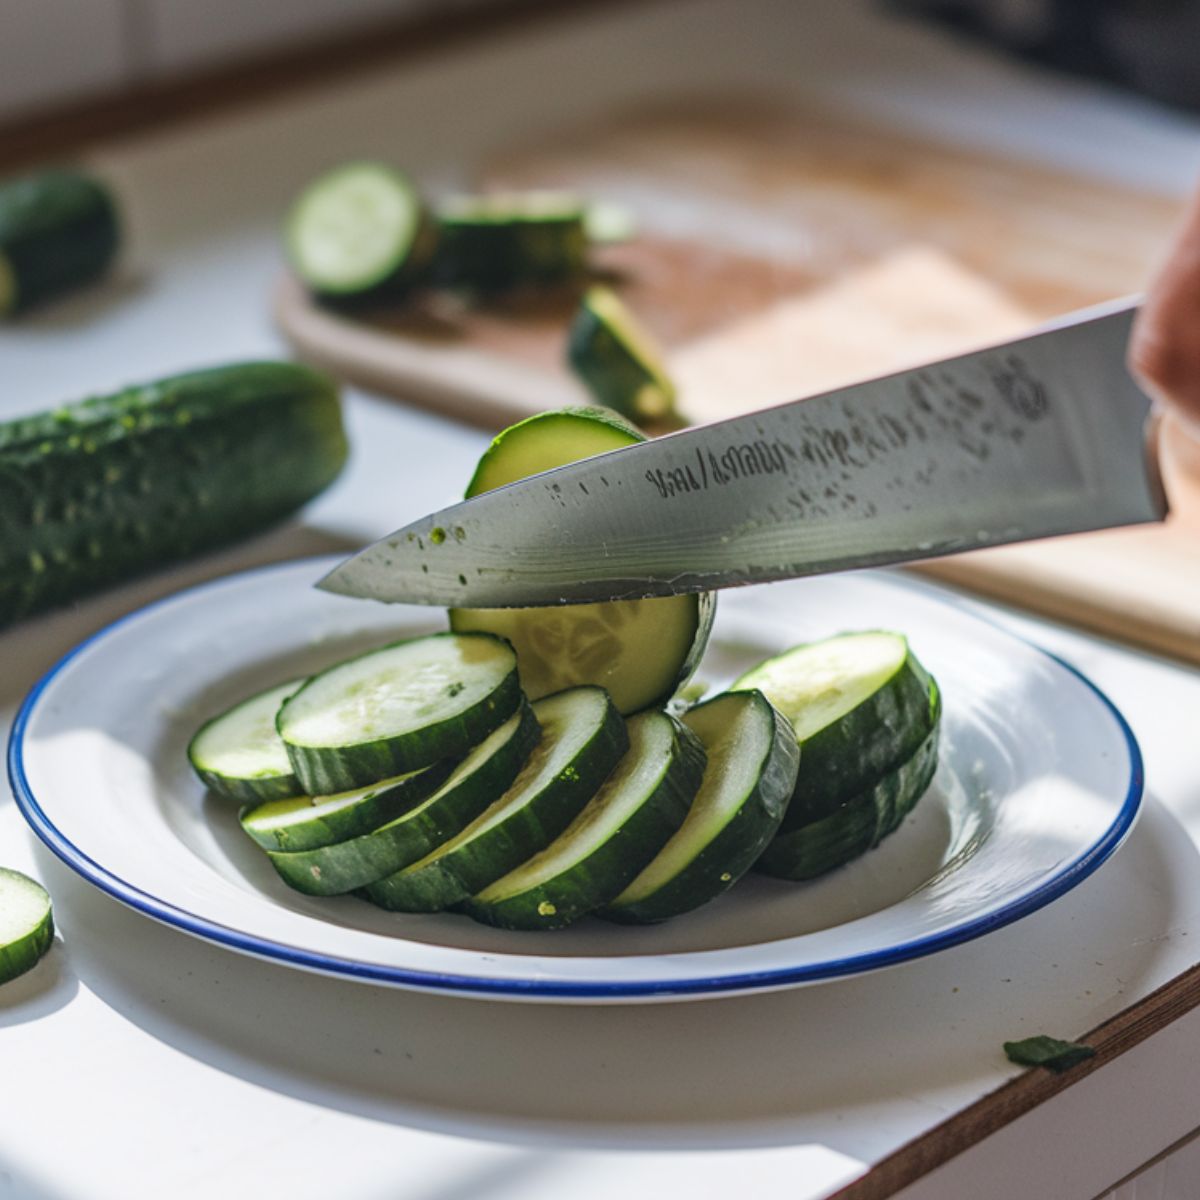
1072,874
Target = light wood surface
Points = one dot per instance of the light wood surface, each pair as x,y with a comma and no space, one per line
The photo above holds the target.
780,255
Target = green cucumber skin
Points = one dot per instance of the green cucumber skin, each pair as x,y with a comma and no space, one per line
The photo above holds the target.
452,878
495,255
59,230
604,874
861,824
738,845
848,756
22,955
249,792
99,491
348,865
327,770
355,819
611,377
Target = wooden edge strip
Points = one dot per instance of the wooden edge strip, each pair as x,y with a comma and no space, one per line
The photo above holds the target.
1020,1095
65,130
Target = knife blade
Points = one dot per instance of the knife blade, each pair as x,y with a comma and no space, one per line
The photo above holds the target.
1044,435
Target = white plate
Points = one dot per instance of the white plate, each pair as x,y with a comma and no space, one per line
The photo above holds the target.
1040,780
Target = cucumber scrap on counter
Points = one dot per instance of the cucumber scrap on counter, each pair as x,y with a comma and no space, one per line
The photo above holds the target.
26,924
523,768
59,230
96,492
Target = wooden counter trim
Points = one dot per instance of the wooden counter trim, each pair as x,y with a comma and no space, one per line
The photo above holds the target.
64,131
1014,1099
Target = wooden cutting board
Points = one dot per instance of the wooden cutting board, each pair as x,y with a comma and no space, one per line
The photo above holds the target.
780,254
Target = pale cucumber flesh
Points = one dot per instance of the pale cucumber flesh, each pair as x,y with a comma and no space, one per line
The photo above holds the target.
26,923
243,743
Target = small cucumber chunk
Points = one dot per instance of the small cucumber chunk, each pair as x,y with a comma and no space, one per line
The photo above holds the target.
358,231
303,822
26,923
583,736
639,651
397,709
239,753
617,360
753,758
641,804
475,783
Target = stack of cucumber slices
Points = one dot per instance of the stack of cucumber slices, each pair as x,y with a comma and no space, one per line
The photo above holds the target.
526,767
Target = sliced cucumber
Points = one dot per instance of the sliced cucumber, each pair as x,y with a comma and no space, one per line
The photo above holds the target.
859,704
583,736
642,803
475,783
59,230
861,822
639,650
397,709
753,758
509,239
360,231
239,753
26,923
617,359
304,823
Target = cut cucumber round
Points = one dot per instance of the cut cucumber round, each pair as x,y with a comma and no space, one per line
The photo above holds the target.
753,758
859,704
59,230
397,709
859,824
641,804
640,651
26,923
617,360
583,736
474,784
360,231
511,239
239,754
303,822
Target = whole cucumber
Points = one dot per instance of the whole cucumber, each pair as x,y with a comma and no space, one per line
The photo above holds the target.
58,230
95,492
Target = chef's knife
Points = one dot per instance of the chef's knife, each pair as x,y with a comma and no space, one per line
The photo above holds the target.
1044,435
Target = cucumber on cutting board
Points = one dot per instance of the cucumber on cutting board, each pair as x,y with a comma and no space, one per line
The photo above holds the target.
359,232
59,230
239,755
753,758
511,239
95,492
583,736
640,651
304,822
866,715
624,825
475,783
617,359
26,923
397,709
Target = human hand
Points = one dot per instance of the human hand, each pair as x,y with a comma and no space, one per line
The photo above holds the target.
1164,351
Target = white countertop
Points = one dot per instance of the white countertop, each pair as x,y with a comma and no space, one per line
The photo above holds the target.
140,1062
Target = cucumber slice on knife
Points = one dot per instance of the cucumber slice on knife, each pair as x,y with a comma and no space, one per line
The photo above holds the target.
753,758
583,736
303,822
360,231
474,784
239,754
860,704
617,359
26,923
397,709
640,651
625,824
